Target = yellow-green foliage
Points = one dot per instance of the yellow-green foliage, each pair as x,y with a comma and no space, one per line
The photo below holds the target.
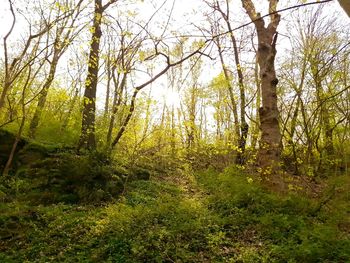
227,217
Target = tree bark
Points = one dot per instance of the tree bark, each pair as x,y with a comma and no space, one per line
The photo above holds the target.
87,138
270,144
345,4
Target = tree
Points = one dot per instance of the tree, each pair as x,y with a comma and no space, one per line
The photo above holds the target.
15,67
228,84
137,89
63,37
29,75
87,138
121,60
270,144
244,127
314,72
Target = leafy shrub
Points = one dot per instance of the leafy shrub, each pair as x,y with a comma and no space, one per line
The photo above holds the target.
170,230
282,228
229,218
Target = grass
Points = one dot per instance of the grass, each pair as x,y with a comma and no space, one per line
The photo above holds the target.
216,217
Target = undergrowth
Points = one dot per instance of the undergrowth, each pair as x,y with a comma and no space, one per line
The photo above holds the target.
229,219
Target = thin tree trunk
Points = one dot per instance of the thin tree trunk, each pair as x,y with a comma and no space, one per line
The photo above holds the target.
43,96
244,124
13,149
173,131
118,94
255,132
127,119
108,91
230,90
192,119
21,127
5,89
244,128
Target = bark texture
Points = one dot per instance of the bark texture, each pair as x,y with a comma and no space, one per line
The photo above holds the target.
87,138
270,144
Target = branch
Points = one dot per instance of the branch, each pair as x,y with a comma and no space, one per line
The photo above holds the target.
324,101
6,36
251,22
269,14
110,2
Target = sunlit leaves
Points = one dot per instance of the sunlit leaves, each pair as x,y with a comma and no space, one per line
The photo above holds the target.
63,7
198,44
142,55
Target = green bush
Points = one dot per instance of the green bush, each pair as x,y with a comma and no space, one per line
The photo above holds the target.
282,228
227,218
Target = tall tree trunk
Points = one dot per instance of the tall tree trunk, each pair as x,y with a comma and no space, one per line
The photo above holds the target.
230,90
43,95
244,124
87,137
60,45
325,120
345,4
270,144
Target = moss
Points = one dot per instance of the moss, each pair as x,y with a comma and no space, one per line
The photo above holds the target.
78,178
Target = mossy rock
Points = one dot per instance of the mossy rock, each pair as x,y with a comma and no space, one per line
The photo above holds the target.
8,138
71,178
34,152
48,174
6,142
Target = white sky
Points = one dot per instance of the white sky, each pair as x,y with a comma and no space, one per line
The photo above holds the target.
185,12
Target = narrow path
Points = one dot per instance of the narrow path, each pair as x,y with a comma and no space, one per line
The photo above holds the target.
188,183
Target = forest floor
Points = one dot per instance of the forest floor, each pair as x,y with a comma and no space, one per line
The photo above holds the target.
184,217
